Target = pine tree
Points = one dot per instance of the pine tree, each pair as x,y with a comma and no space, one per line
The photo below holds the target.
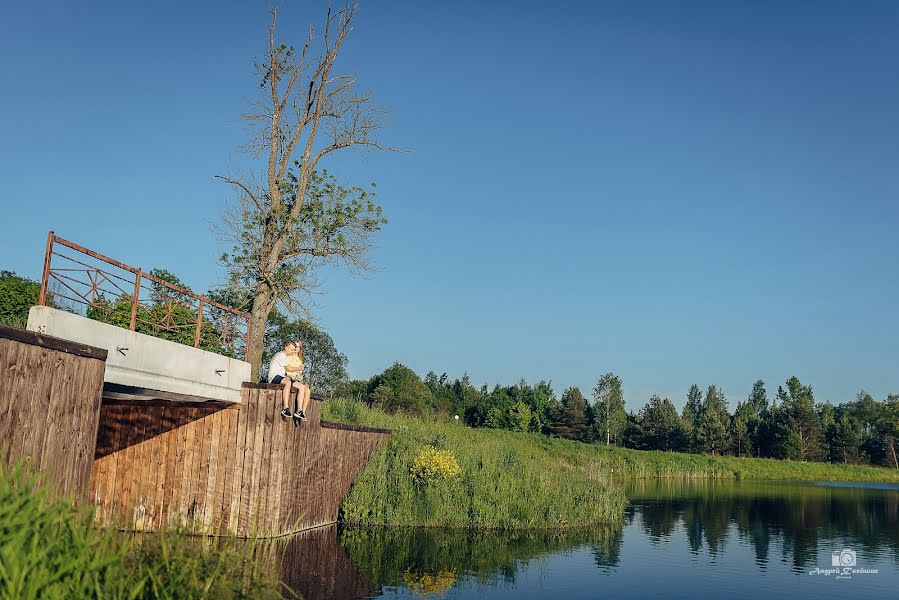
758,397
802,419
690,417
661,426
712,433
745,420
571,417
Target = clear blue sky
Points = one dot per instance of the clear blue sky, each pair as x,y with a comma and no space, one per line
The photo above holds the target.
677,192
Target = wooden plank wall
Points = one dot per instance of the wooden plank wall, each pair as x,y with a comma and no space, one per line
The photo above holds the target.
50,392
223,468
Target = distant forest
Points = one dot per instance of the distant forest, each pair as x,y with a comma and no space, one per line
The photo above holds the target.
790,425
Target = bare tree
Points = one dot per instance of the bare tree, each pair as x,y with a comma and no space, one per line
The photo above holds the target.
292,218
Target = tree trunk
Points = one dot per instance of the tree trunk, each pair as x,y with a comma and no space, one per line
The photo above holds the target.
263,303
892,444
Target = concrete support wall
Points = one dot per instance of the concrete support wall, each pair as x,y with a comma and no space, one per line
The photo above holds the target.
142,361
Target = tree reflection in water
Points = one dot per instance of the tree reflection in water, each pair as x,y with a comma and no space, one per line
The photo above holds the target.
431,560
781,522
798,518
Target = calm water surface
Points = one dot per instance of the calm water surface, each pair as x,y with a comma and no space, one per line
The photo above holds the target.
678,540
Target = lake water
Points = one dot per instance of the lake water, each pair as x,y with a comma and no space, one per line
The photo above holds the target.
702,539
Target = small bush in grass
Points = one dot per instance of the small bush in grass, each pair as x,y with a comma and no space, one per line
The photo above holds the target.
432,465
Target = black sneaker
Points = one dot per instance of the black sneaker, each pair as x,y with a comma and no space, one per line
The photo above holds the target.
285,412
299,415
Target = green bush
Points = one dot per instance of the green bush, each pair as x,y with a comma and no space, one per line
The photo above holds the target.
17,295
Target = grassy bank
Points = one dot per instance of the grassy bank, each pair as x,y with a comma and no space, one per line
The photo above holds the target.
506,480
50,549
656,464
517,480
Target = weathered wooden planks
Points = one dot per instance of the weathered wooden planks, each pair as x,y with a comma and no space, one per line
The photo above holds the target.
50,391
226,469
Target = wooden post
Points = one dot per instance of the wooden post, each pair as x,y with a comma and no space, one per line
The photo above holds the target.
199,324
246,349
134,299
45,278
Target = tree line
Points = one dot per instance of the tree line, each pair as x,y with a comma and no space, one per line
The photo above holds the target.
790,425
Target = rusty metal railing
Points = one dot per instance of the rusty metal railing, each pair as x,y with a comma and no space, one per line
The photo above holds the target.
105,289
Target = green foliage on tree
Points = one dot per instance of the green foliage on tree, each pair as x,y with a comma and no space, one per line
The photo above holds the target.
291,217
608,410
520,416
690,416
17,295
659,426
844,438
758,397
797,409
745,420
571,416
399,389
324,367
712,431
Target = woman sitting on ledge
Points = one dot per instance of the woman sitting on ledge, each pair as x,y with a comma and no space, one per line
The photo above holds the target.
286,369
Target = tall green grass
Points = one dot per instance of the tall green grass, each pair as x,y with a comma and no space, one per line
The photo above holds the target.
523,480
49,548
507,480
674,465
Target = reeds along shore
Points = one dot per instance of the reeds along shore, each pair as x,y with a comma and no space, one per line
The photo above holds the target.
513,480
50,549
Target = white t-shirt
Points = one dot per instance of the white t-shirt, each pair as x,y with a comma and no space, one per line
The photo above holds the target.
277,366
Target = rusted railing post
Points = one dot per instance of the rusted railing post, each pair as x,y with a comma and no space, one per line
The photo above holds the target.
134,299
246,349
199,324
45,278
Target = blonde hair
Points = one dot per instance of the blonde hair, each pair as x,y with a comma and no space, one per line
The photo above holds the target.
299,346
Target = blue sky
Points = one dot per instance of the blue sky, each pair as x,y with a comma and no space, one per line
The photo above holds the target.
676,192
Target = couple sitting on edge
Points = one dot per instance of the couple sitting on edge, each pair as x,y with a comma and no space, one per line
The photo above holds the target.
286,369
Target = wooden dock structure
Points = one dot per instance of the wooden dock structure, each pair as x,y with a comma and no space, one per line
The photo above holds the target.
150,464
50,392
236,469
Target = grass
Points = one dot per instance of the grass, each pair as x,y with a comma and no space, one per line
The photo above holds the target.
674,465
49,548
514,480
507,480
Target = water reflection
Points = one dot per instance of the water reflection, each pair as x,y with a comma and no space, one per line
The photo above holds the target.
431,561
670,528
315,565
802,520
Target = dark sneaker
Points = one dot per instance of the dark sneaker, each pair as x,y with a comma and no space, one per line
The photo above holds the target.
285,412
299,415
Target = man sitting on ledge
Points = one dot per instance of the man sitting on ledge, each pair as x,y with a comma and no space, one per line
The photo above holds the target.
286,369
